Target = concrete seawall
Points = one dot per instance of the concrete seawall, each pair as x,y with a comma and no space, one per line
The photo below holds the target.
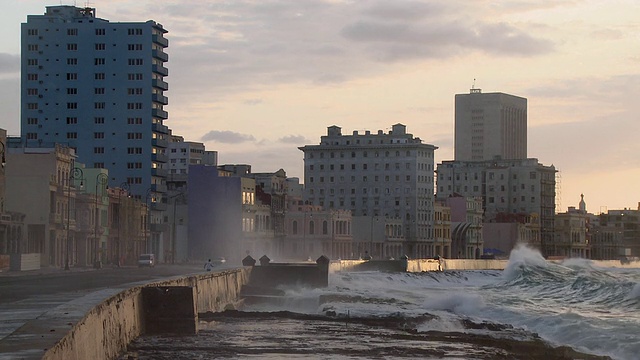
416,265
102,324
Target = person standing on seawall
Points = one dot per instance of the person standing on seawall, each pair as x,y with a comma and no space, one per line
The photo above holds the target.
208,265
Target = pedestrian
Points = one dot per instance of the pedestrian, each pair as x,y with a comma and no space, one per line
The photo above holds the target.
208,265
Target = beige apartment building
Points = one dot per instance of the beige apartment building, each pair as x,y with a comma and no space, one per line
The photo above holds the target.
376,175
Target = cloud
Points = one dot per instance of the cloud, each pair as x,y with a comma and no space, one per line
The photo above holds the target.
252,102
228,137
9,64
294,139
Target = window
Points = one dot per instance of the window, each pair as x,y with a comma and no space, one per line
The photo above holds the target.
72,135
32,47
134,106
99,76
98,91
134,46
98,135
32,121
134,136
137,121
72,91
98,150
134,150
134,91
32,92
98,61
134,165
32,62
32,32
134,76
72,61
100,32
32,106
72,76
32,136
72,32
72,105
98,120
100,46
72,47
72,120
134,31
32,76
99,105
136,61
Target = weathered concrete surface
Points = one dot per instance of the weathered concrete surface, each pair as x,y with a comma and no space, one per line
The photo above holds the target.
417,265
101,324
472,264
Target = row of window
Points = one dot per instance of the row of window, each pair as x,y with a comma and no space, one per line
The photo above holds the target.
376,166
366,154
491,199
365,178
99,32
365,191
100,135
96,105
97,76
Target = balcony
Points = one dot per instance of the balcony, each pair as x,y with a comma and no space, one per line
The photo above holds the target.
159,128
159,172
159,188
160,84
159,39
161,158
159,54
160,99
160,70
158,206
159,113
161,143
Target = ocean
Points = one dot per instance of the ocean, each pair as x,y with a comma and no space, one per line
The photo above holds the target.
531,310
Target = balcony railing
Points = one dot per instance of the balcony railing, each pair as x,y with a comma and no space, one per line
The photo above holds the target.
161,143
157,127
160,99
159,172
160,70
159,54
159,39
160,84
161,158
159,113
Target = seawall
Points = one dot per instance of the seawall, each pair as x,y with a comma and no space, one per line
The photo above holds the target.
416,265
102,324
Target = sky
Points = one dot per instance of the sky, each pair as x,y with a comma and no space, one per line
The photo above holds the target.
256,79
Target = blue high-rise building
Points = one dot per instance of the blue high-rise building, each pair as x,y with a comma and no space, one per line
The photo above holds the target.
98,87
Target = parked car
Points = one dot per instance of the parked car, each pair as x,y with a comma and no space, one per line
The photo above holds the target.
147,260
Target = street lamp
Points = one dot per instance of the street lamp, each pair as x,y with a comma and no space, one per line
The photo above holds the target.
102,180
148,200
124,186
75,175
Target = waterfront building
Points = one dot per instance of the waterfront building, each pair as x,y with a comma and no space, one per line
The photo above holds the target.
442,229
517,186
376,175
98,87
572,238
12,228
489,126
271,190
508,230
127,228
626,223
43,186
466,226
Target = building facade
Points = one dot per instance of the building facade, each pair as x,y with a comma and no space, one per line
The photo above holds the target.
388,175
489,126
521,186
97,87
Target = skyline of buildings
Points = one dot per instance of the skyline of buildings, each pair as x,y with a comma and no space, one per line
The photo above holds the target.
384,179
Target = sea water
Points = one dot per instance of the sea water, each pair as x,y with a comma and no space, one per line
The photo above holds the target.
451,314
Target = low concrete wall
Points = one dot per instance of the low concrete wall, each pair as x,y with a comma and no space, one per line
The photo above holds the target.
420,265
472,264
617,264
344,265
102,324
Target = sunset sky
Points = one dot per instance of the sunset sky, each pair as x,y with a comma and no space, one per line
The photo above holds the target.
256,79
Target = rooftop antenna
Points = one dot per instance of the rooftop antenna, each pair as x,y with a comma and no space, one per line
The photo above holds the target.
473,88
